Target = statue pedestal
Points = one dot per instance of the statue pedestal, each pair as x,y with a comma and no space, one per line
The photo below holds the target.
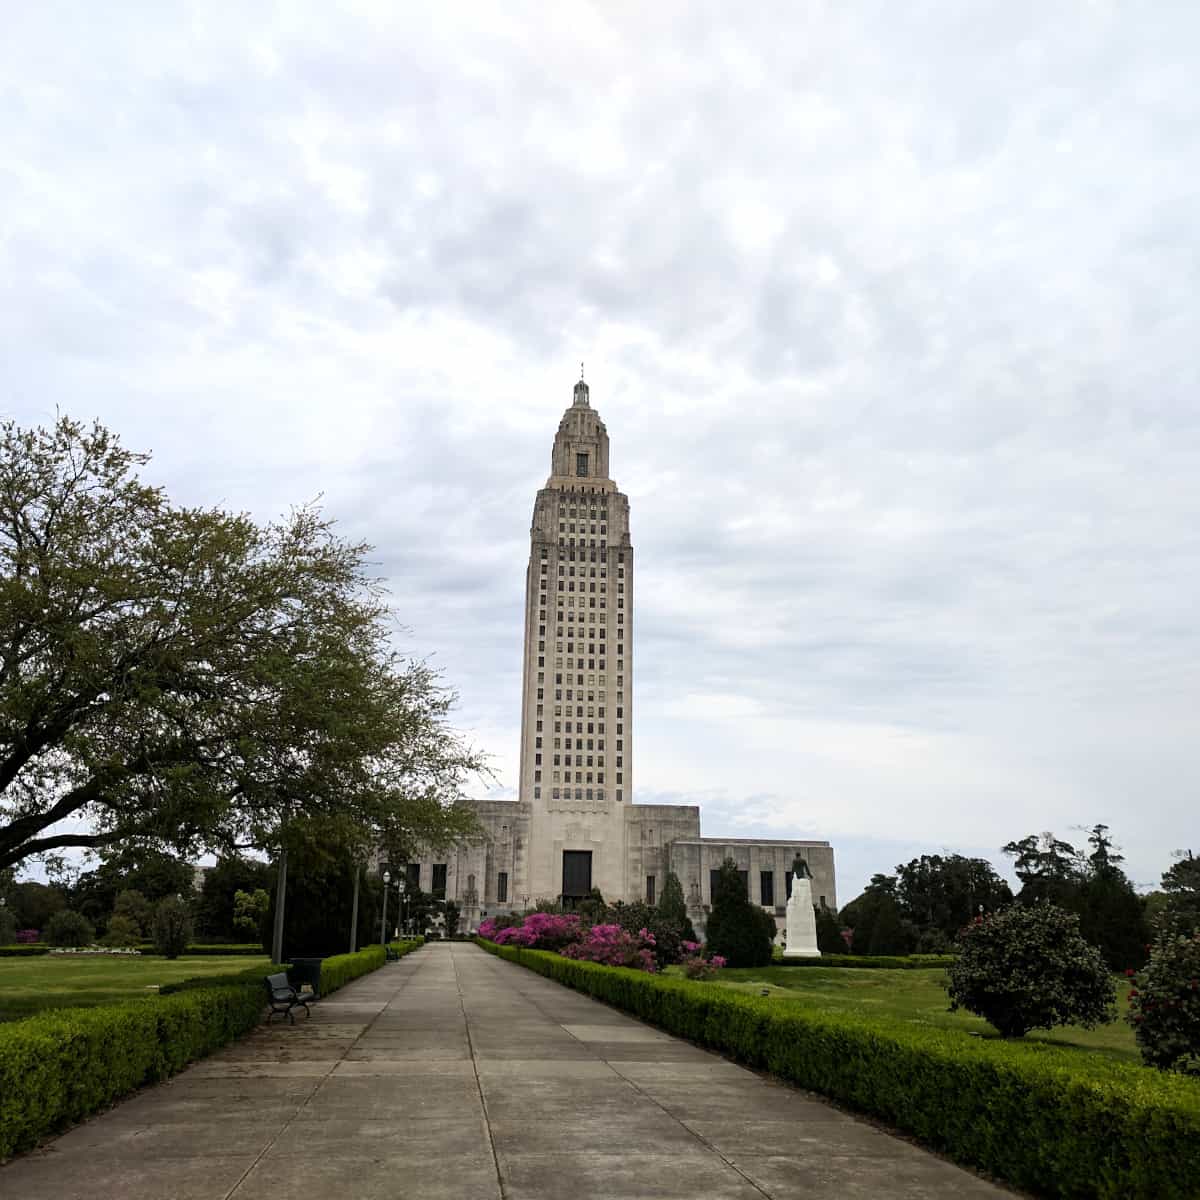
801,922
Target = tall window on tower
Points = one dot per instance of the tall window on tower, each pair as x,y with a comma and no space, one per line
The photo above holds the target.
581,464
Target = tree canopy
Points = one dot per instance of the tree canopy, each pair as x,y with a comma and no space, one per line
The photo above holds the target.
188,679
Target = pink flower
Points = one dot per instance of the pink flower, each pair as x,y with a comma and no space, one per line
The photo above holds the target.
717,961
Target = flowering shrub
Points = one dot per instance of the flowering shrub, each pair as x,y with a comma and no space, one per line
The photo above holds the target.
539,930
26,937
696,966
1164,1003
615,947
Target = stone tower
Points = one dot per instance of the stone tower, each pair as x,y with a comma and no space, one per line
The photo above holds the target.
576,707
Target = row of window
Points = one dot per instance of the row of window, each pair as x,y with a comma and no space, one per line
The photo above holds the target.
437,886
562,527
580,793
592,558
766,886
580,777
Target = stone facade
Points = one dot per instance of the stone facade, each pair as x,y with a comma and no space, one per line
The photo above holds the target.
574,824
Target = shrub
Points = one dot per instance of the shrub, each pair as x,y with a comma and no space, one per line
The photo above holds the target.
1050,1121
340,969
172,927
671,907
829,931
249,909
696,965
453,916
545,931
8,928
664,928
121,932
58,1067
1164,1005
614,947
27,937
1028,967
737,929
67,928
134,907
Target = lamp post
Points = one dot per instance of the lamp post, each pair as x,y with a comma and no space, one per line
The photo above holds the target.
400,889
387,878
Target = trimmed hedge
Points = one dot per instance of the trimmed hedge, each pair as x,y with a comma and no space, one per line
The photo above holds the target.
889,962
250,977
236,950
23,951
1054,1121
58,1067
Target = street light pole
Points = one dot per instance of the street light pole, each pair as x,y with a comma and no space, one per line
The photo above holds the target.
387,878
400,889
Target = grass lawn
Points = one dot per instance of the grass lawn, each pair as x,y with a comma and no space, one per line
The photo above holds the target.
28,985
916,996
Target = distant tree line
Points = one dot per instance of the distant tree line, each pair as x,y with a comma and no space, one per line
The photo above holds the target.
925,904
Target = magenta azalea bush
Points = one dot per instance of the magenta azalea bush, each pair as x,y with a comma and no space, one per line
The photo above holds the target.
539,931
606,943
615,947
697,964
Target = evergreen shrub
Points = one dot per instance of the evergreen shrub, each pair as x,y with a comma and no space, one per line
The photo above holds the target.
67,928
1052,1121
1164,1004
1028,967
738,930
172,927
121,931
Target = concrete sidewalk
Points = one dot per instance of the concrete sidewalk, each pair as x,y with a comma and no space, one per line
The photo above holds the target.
452,1074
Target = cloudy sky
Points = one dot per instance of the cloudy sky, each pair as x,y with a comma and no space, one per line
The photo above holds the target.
890,311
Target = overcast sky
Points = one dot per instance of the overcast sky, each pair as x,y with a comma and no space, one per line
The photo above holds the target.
890,310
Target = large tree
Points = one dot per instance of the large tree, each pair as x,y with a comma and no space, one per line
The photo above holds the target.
1049,869
1181,883
189,679
939,894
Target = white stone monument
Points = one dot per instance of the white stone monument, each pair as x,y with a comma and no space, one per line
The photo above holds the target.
801,917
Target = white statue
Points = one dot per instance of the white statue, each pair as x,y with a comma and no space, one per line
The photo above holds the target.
801,917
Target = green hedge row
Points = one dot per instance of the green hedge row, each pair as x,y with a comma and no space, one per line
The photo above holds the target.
251,976
332,976
239,949
892,962
58,1067
235,949
1056,1122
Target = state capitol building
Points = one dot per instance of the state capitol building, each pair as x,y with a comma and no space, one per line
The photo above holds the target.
574,825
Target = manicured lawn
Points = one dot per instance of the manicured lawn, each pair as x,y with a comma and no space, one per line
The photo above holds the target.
28,985
916,996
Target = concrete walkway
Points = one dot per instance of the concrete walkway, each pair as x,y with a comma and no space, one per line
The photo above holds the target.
452,1074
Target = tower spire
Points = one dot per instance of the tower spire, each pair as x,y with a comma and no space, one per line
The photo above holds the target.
582,398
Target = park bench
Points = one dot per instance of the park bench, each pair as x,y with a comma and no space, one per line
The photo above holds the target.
283,998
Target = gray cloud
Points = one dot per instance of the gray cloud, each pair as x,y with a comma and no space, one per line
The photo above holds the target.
891,318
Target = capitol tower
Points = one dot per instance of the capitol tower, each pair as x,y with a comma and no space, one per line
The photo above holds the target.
577,685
